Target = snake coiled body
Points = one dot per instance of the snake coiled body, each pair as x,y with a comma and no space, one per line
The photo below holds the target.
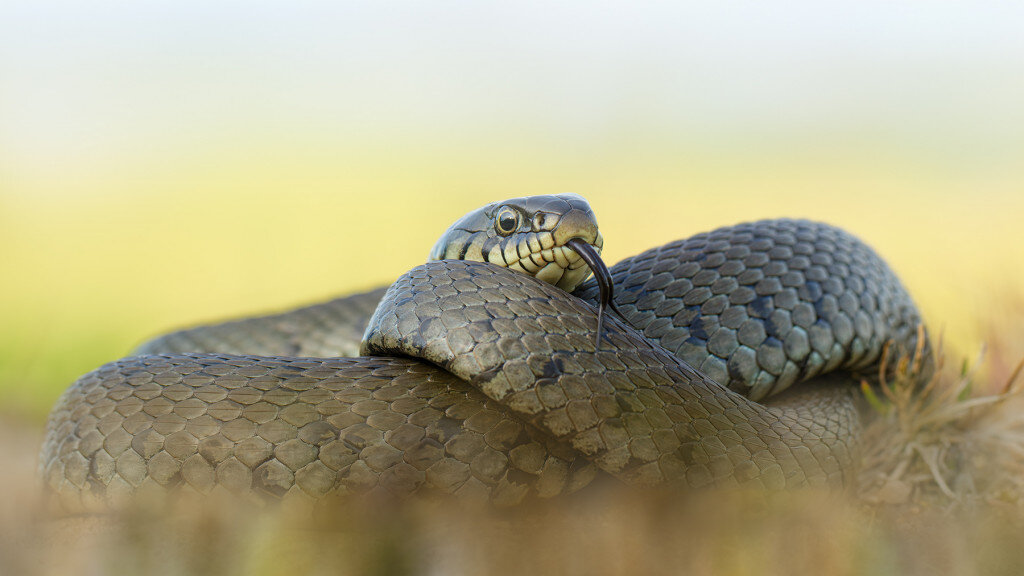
480,380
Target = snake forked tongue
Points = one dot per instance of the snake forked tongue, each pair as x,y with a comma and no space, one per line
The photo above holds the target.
604,281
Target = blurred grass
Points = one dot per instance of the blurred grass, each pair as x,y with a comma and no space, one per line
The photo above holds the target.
96,258
705,534
940,492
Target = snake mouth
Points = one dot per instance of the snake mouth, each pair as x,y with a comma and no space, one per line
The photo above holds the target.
602,276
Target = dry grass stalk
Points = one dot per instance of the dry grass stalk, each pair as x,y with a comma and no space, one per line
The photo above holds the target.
936,442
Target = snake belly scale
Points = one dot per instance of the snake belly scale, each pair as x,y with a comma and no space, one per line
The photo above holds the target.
483,380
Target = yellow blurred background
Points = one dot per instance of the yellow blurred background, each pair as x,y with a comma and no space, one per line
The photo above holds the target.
164,165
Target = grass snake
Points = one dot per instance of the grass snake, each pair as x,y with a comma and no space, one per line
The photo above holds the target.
473,379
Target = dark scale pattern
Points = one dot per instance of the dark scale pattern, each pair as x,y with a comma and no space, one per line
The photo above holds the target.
763,305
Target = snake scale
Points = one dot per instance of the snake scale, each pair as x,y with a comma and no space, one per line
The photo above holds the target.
488,381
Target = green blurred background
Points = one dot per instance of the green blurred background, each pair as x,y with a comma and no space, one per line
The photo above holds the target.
163,164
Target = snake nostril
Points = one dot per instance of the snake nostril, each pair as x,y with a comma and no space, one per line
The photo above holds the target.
576,223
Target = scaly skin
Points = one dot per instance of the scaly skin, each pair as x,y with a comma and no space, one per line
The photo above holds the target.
497,389
325,330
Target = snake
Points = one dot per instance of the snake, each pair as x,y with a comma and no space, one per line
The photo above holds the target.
512,365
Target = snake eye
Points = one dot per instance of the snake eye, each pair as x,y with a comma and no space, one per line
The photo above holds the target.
506,221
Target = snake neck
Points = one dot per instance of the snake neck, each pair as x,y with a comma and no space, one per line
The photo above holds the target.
635,409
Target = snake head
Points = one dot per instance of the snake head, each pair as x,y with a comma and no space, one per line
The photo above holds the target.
534,235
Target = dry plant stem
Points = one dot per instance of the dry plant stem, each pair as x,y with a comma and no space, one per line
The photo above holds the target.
930,437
